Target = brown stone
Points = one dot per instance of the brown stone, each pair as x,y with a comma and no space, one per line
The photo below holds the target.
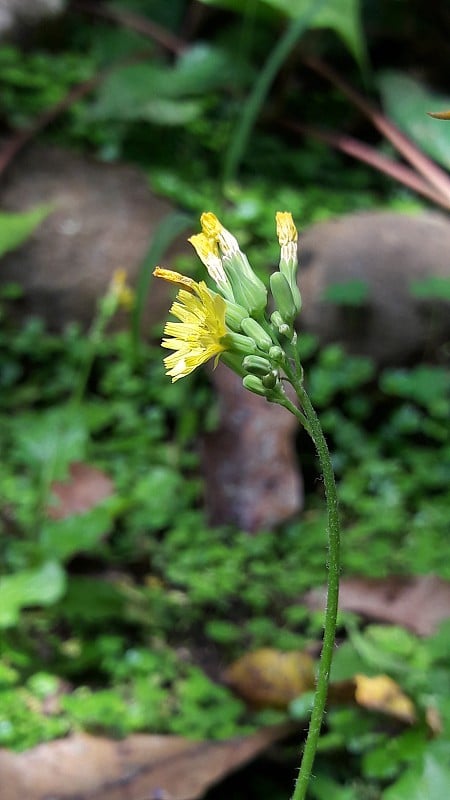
388,251
104,218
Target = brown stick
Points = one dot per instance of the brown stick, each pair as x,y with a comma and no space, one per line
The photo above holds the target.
424,165
135,22
19,139
369,155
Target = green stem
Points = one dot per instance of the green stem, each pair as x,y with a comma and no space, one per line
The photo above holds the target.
314,429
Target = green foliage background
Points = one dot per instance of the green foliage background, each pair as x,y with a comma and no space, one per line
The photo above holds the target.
115,614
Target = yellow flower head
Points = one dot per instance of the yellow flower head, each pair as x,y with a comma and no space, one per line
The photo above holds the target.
287,237
119,289
208,253
286,230
199,334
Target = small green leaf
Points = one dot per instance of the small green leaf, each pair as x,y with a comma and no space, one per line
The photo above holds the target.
427,779
432,288
42,587
16,228
347,293
78,533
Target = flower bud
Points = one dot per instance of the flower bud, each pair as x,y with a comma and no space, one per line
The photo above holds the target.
276,354
238,343
248,290
257,333
270,380
254,384
234,315
281,326
257,365
282,295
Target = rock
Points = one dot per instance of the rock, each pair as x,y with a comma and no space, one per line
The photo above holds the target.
388,251
251,471
17,14
105,217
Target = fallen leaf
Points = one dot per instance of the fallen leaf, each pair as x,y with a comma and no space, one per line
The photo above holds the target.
419,603
378,693
269,678
86,487
84,767
381,693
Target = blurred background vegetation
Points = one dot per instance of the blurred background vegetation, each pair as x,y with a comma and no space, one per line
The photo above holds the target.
122,618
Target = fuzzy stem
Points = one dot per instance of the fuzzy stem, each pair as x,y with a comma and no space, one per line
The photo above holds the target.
314,429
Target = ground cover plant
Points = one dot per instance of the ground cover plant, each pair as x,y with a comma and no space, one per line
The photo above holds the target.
105,624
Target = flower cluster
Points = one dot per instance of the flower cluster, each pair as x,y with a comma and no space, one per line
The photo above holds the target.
232,322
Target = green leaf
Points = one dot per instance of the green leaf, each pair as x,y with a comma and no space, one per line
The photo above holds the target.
341,16
42,586
432,288
347,293
428,386
78,533
164,95
427,779
51,439
407,101
16,228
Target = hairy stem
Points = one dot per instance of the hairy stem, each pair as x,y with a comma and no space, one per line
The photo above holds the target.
314,429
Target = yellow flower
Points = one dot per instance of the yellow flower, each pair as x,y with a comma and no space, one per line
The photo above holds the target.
286,230
199,334
246,289
118,289
287,237
208,253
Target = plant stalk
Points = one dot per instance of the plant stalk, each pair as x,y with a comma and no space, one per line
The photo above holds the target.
314,429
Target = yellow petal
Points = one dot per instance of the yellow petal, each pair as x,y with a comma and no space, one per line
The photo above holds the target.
175,278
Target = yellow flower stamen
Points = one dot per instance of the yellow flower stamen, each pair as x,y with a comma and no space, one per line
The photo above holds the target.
211,226
286,230
119,289
199,334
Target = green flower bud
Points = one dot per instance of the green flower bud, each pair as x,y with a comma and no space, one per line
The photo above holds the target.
280,325
257,333
270,380
257,365
282,295
254,384
234,315
238,343
248,290
276,354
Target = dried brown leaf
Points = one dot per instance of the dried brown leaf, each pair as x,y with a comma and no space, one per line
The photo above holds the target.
84,767
85,488
419,603
269,678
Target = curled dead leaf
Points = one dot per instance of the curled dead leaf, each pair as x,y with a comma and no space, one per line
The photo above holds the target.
268,678
381,693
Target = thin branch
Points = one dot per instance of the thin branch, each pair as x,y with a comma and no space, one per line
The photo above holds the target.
424,165
363,152
19,139
135,22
